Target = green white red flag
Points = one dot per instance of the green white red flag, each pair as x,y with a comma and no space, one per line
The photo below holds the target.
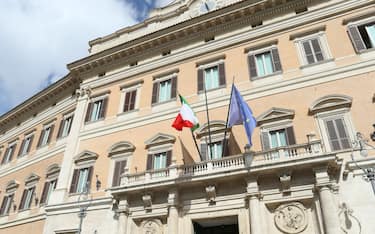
186,117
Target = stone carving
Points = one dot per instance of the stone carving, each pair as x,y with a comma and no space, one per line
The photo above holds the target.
291,218
349,223
285,180
147,201
153,226
211,193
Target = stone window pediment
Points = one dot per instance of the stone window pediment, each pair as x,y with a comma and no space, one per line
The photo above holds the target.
86,156
275,114
216,126
53,171
32,179
330,102
160,139
12,186
121,148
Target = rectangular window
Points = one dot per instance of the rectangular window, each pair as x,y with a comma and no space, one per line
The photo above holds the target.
6,204
119,169
81,180
216,148
362,36
8,154
264,63
130,98
212,77
164,90
65,126
312,51
26,145
159,160
96,110
45,136
277,138
27,198
337,134
49,186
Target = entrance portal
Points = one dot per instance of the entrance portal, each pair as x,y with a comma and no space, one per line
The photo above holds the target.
221,225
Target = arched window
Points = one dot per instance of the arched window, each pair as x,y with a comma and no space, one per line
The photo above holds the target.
82,174
50,183
120,154
8,197
333,117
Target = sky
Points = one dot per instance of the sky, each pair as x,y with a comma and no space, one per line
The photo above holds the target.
38,38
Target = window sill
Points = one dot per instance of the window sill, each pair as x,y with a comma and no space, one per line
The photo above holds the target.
219,91
269,79
318,67
266,76
161,106
165,102
367,54
93,121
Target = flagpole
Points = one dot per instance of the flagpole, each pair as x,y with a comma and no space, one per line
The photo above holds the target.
226,123
196,145
208,121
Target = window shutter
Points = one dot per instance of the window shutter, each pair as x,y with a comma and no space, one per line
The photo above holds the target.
21,148
149,162
32,191
308,52
40,138
73,186
127,102
44,193
103,110
2,209
4,156
30,143
356,38
252,66
59,133
333,138
133,97
116,174
204,151
71,123
12,153
169,158
265,141
88,112
317,49
89,177
200,80
174,87
10,198
276,60
290,136
226,147
50,133
221,74
155,92
342,131
22,203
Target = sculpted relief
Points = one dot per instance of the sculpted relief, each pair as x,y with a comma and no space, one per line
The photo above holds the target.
291,218
151,227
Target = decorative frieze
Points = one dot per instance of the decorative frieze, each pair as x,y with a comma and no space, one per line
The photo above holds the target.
291,218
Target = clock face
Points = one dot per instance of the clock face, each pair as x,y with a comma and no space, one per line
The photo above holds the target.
207,6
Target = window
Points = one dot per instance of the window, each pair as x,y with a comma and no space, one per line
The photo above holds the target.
27,198
264,62
312,51
273,138
119,170
362,36
46,135
9,153
216,148
26,145
334,121
96,109
6,204
159,160
81,180
211,77
65,126
164,90
120,153
129,102
50,184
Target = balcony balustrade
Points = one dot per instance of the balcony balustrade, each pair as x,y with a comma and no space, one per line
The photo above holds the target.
226,164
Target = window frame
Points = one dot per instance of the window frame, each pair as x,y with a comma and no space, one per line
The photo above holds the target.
22,152
173,77
274,53
355,24
9,158
51,127
63,121
84,160
51,176
4,211
273,126
119,152
220,64
103,109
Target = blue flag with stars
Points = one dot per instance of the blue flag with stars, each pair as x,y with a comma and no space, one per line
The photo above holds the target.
240,113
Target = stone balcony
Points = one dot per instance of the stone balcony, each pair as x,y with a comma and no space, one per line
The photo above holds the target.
243,164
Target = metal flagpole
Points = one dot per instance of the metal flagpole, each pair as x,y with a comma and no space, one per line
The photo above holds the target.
226,123
196,145
208,121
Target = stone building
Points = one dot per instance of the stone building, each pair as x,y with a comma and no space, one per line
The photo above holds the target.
100,141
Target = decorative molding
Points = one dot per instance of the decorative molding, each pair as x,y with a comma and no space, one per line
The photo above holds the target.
152,226
160,139
307,32
261,45
53,170
31,179
120,148
330,102
291,218
167,73
210,60
211,193
285,180
12,186
147,202
357,17
131,84
349,223
275,114
86,156
216,126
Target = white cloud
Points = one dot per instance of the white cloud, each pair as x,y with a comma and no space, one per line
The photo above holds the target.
162,3
39,37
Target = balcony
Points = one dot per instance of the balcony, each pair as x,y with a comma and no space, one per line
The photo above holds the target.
238,164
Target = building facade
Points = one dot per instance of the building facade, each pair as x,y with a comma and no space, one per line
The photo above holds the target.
99,142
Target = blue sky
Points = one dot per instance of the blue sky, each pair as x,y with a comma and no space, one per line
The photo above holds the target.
39,37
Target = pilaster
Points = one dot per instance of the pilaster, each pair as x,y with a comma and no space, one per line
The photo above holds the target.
173,203
254,206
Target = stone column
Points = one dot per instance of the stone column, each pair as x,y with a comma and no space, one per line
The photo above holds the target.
173,211
123,213
254,206
63,185
328,205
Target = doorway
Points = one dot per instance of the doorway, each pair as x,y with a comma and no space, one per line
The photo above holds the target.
220,225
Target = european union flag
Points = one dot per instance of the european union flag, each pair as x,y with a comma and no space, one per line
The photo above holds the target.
240,113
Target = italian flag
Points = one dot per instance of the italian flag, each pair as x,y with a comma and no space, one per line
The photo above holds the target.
186,117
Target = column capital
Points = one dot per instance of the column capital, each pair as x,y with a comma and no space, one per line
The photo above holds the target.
252,186
173,197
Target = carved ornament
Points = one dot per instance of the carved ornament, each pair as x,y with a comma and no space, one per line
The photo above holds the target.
291,218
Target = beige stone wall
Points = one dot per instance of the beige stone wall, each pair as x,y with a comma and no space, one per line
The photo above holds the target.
34,227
